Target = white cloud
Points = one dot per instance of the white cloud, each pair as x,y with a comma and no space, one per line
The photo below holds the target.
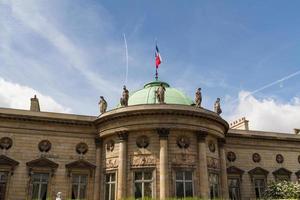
268,114
13,95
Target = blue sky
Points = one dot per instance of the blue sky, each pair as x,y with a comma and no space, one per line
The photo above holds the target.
70,52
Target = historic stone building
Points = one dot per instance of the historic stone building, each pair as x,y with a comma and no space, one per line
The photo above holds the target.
145,149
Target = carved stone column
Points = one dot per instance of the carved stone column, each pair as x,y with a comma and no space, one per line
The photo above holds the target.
163,163
97,185
203,172
224,183
122,182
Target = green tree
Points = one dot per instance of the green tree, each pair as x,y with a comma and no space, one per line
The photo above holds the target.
282,190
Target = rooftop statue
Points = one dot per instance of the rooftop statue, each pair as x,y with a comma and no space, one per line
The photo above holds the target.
198,98
102,105
160,93
125,97
217,106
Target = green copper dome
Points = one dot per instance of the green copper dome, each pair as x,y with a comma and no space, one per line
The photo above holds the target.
147,95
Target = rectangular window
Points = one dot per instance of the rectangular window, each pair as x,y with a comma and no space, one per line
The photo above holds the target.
184,184
110,186
234,188
214,185
259,185
143,184
3,182
79,186
40,186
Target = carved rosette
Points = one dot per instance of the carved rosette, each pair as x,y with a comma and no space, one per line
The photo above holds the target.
184,160
110,146
82,148
142,160
6,143
111,163
142,141
256,158
183,142
279,158
44,146
213,163
231,157
211,146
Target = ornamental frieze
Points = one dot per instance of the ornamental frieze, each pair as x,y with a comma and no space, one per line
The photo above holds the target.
111,163
142,160
184,159
213,163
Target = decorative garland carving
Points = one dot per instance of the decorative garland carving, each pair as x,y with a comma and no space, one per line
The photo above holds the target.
143,160
231,157
184,160
211,146
183,142
111,163
82,148
142,141
213,163
256,158
279,158
110,146
6,143
44,146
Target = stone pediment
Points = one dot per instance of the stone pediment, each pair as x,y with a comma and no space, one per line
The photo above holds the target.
4,160
258,171
42,163
80,164
282,171
235,170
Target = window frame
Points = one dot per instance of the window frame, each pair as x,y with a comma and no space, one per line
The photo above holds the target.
153,182
87,183
40,183
219,184
105,183
8,174
259,177
239,181
184,181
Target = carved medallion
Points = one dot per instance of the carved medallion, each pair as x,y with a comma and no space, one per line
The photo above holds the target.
183,142
110,145
212,146
143,160
142,141
82,148
279,158
44,146
6,143
231,157
256,157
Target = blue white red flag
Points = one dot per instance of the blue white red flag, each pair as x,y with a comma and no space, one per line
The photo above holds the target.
158,59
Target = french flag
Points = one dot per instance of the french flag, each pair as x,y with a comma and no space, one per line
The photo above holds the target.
157,57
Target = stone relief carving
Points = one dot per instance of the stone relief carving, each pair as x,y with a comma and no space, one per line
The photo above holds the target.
142,160
44,146
110,146
183,159
6,143
183,142
279,158
231,157
142,141
82,148
111,163
211,146
256,157
213,163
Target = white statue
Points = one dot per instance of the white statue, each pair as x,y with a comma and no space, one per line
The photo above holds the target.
58,196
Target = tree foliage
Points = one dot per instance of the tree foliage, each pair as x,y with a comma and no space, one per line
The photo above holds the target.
282,190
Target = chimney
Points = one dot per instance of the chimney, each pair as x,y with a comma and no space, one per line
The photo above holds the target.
34,105
241,124
296,131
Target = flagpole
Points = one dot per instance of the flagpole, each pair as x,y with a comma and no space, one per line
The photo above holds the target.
156,74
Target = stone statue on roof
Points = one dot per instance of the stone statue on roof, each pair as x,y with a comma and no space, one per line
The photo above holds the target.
125,97
217,106
160,93
198,98
102,105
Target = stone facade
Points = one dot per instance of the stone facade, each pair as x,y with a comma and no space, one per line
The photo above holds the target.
156,150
